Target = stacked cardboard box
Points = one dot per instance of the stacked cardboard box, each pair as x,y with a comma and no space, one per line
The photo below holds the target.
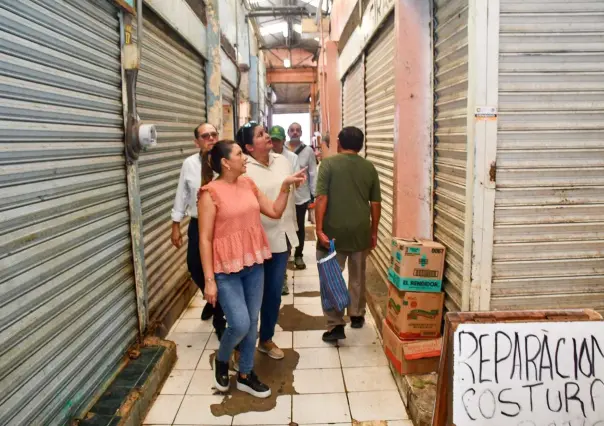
411,330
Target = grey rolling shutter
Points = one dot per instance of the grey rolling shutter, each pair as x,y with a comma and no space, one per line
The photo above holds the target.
549,202
171,94
450,140
379,134
67,294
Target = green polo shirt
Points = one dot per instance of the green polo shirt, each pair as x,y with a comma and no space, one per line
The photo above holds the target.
351,183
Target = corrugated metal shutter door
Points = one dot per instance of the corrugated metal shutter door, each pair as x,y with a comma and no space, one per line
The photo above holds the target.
354,97
228,93
450,140
379,135
171,94
67,298
549,202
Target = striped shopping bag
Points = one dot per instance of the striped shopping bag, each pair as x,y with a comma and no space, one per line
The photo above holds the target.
334,293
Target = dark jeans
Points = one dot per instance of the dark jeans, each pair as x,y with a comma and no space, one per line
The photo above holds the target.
194,264
300,217
274,270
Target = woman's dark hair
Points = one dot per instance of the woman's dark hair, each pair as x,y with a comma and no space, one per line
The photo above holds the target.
213,158
245,135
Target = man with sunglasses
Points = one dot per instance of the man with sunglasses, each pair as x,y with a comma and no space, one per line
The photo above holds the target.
185,204
305,194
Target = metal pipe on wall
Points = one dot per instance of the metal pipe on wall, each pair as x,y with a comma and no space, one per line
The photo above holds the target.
139,27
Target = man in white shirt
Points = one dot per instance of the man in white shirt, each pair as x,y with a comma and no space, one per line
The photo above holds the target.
305,194
277,134
185,204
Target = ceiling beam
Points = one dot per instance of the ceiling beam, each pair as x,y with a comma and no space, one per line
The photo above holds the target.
291,75
278,11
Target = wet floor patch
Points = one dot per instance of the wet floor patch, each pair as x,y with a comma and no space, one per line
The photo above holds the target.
309,294
277,374
291,319
310,234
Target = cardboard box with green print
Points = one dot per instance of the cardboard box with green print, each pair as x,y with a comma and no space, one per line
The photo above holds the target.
415,315
417,265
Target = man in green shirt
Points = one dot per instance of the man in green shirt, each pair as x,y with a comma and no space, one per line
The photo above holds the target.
348,211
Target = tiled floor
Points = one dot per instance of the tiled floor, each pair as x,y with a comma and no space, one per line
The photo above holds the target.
334,385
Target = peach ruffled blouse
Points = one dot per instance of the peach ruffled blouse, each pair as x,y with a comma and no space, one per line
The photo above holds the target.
239,239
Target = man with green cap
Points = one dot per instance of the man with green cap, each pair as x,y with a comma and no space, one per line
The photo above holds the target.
277,134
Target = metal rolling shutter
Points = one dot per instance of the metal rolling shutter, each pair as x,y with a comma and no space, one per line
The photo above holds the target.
379,134
549,202
354,97
450,140
171,94
67,294
228,93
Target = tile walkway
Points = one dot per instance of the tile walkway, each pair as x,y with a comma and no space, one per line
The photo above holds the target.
334,385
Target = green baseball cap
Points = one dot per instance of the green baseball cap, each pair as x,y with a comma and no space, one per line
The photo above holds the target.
277,132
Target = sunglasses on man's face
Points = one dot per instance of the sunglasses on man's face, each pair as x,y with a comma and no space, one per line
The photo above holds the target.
206,136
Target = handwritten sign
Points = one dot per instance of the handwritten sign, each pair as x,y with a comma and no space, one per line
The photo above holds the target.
375,13
529,374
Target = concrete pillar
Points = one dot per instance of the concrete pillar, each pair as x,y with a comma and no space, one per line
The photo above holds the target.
413,119
213,73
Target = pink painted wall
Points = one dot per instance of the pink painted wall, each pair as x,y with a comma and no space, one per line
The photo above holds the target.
413,120
330,88
340,12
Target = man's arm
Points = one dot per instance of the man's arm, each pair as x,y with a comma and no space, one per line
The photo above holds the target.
375,198
376,213
312,173
320,209
321,203
179,210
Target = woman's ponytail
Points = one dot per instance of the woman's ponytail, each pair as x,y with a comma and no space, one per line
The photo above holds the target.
207,174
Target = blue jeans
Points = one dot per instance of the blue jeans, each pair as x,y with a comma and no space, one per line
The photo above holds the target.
274,271
240,296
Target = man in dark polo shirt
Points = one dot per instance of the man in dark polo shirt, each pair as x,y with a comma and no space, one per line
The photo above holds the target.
348,211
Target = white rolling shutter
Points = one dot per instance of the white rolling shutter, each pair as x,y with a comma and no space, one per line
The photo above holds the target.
353,98
450,140
549,204
379,132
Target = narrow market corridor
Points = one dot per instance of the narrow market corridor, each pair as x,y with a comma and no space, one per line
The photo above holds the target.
316,384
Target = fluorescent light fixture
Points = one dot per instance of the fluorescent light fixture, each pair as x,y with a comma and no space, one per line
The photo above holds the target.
287,63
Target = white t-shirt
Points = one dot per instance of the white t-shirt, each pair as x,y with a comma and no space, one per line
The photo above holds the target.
269,180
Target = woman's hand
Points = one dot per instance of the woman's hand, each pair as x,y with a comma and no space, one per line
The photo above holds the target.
176,237
211,292
297,178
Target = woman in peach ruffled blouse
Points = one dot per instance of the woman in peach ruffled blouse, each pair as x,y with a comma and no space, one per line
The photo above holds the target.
233,249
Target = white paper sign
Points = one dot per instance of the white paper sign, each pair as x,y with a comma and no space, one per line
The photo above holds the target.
529,374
